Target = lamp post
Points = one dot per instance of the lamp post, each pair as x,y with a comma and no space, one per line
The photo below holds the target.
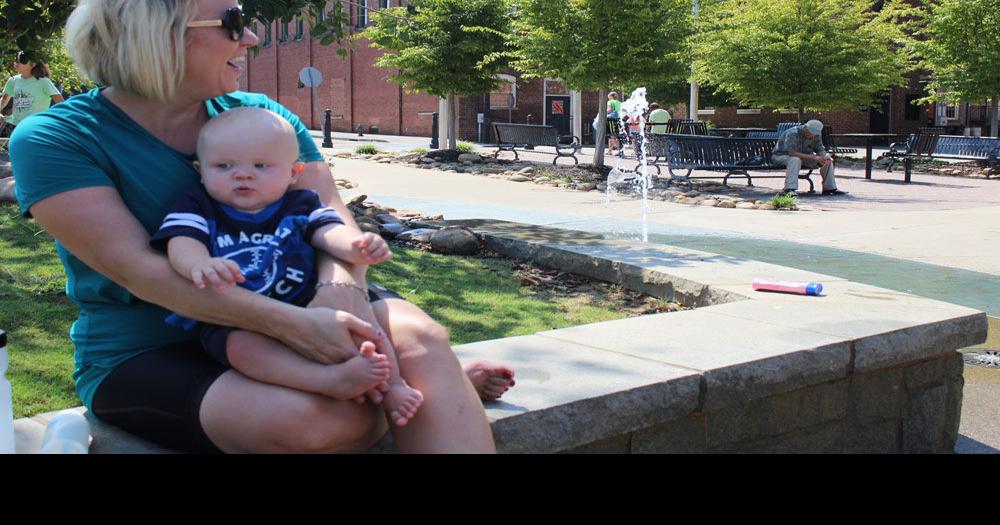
693,102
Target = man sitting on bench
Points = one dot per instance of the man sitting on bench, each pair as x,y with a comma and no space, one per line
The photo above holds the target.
802,147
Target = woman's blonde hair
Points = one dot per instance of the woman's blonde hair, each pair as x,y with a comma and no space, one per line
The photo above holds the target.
133,45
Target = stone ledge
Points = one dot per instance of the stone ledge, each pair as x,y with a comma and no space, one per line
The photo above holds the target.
669,382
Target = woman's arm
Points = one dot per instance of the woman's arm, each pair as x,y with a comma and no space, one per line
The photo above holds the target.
57,99
80,220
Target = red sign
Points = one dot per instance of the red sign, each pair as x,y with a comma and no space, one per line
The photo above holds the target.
557,107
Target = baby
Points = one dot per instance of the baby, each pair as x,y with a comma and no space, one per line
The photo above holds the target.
246,227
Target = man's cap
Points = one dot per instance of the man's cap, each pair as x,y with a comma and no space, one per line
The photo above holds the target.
814,126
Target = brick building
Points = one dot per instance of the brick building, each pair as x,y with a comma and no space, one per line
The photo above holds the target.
360,94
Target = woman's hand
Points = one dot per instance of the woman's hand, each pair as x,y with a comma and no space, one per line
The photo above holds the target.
327,335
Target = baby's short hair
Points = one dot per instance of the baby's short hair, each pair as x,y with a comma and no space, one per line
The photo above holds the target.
245,120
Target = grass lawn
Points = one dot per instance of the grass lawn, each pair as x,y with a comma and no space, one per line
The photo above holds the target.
477,299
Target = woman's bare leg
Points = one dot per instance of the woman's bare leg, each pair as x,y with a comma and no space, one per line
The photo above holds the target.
241,415
452,418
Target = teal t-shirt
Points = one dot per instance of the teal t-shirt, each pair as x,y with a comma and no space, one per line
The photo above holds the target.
28,96
87,141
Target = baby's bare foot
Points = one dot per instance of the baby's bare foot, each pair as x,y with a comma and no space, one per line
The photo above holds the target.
401,403
359,374
490,380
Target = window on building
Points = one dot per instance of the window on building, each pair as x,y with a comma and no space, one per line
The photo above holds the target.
747,110
710,110
951,111
382,4
362,19
283,33
300,29
266,42
912,111
505,95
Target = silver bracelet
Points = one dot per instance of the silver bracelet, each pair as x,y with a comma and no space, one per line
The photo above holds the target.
345,284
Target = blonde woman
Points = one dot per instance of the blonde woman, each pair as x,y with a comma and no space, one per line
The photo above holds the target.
106,166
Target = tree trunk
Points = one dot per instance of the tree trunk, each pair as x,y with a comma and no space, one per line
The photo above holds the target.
453,124
602,126
801,113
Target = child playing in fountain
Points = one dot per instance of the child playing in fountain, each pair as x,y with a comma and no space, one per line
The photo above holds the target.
245,227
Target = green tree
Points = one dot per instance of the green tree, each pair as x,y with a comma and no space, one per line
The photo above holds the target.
27,25
812,55
64,71
445,48
594,44
960,44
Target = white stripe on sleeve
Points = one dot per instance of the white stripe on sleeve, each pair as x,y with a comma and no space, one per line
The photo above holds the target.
168,223
325,213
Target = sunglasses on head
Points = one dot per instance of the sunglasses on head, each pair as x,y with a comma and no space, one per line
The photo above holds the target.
232,21
23,59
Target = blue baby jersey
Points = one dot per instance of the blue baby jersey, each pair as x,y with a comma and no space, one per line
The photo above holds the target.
271,246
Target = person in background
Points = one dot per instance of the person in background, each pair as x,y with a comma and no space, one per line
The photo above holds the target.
614,111
31,90
658,118
802,147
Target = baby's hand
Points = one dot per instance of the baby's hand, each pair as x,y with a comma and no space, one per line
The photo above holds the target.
370,248
216,271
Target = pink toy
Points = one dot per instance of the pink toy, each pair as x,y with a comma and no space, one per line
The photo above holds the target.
774,285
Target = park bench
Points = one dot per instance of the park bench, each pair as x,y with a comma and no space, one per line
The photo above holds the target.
918,145
983,149
513,136
733,155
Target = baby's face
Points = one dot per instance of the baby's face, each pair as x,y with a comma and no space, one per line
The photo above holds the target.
247,171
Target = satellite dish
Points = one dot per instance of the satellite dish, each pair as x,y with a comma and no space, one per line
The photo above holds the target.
310,77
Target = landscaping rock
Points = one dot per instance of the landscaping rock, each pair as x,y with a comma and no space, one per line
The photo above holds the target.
368,225
518,178
470,157
391,230
527,171
455,240
416,235
746,206
7,189
387,218
709,202
727,204
586,186
427,160
375,211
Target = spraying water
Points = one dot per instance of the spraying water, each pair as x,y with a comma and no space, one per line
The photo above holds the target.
634,109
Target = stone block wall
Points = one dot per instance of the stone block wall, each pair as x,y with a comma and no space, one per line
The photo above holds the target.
913,408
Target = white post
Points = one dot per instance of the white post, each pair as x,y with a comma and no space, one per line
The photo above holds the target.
693,102
576,113
443,123
995,121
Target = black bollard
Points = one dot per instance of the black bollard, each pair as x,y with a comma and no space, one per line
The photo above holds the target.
434,130
361,130
327,138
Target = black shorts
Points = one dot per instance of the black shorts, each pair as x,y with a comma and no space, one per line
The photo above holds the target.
157,395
